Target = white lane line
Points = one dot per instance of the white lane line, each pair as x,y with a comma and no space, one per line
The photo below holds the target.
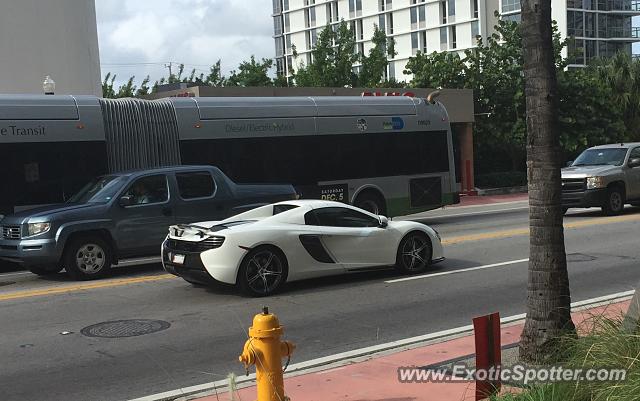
475,213
14,274
349,357
469,269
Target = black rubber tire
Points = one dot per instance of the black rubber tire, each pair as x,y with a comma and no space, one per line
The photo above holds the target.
45,270
402,264
73,247
613,206
247,269
372,202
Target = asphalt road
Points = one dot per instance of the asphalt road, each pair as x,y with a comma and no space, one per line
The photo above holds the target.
45,357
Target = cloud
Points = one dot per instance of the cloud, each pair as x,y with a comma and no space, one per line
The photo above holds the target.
138,36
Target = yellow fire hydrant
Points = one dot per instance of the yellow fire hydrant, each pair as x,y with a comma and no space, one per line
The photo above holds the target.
265,350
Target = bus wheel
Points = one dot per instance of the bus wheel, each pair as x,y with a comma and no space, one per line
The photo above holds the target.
87,258
371,201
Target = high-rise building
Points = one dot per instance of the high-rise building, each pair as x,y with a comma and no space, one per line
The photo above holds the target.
54,37
599,27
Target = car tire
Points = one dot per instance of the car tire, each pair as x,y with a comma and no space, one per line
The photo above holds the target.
262,272
372,202
45,270
88,257
614,204
414,253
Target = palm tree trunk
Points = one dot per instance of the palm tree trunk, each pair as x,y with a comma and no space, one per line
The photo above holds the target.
548,297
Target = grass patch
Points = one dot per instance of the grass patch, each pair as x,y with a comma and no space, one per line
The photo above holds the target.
601,345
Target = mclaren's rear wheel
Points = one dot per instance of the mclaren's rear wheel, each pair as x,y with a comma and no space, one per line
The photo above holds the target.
262,272
414,253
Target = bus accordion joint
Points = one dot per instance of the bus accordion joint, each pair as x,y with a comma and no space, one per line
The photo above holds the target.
431,96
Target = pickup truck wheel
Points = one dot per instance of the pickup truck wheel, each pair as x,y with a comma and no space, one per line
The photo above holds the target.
45,270
614,203
87,258
262,272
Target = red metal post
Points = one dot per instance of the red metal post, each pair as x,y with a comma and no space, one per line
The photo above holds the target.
488,353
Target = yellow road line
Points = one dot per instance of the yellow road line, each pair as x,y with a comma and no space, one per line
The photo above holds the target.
447,241
525,230
81,287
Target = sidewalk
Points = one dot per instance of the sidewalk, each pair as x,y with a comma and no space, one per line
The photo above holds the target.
376,379
489,199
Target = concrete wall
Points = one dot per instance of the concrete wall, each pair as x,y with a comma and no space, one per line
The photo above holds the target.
53,37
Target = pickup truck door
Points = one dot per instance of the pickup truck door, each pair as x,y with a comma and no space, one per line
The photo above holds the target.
143,222
633,176
200,197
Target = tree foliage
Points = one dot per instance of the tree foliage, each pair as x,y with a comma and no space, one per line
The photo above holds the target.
251,73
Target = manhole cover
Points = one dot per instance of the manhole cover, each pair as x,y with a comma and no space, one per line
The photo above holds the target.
125,328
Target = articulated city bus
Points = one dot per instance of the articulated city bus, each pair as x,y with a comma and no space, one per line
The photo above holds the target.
390,155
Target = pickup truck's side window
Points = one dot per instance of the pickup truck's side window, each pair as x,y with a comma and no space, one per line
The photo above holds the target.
147,190
195,184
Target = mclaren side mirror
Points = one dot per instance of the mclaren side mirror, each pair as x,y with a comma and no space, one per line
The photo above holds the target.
384,222
126,200
569,163
635,162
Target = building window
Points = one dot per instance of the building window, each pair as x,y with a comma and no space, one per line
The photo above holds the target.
414,43
314,37
390,24
392,70
475,30
310,17
285,5
454,39
414,17
451,6
422,16
307,36
361,48
443,11
590,25
290,65
277,6
575,50
423,40
381,22
575,23
590,50
360,30
277,25
279,46
512,18
475,8
443,38
352,8
352,28
288,43
287,25
382,5
510,5
358,8
309,58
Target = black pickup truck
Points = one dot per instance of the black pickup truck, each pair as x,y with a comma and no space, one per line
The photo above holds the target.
122,219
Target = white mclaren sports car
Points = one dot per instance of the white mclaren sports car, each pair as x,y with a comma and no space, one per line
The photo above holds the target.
263,248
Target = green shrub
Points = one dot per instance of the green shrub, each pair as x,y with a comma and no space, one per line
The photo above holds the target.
502,179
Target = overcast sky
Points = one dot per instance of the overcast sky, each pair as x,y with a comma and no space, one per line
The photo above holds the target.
137,37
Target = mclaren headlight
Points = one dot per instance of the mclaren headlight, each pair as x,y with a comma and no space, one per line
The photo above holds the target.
595,182
37,228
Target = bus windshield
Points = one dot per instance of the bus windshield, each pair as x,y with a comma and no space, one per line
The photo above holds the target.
601,157
99,190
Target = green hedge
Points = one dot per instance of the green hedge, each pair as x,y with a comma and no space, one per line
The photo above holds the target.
501,179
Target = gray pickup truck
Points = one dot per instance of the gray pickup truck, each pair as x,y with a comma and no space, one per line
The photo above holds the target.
122,218
606,176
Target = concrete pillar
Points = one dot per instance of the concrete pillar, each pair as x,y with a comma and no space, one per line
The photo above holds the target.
465,139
